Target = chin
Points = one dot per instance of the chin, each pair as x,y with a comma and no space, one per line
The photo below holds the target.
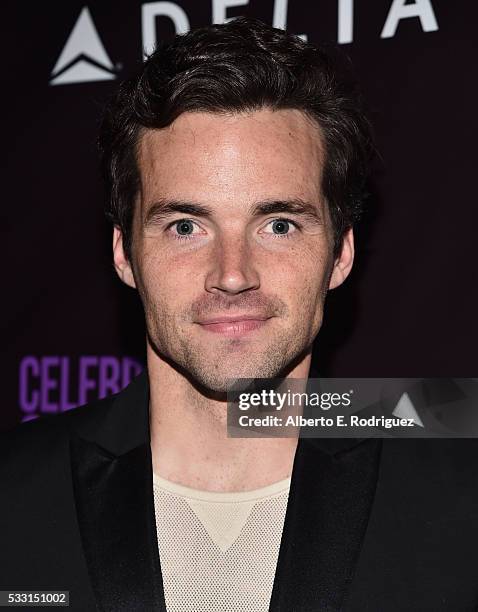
213,370
220,380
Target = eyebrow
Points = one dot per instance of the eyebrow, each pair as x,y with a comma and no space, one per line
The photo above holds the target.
292,206
164,208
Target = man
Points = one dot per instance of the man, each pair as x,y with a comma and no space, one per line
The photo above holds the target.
235,161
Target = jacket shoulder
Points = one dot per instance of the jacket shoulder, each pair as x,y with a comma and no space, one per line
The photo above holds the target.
33,444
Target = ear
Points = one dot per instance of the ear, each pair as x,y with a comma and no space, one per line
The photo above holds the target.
344,261
122,265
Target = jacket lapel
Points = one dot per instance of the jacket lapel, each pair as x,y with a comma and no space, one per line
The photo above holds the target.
113,486
332,490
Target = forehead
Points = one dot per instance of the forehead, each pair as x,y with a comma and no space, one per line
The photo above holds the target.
242,156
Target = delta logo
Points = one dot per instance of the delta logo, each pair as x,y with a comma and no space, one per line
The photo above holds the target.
84,57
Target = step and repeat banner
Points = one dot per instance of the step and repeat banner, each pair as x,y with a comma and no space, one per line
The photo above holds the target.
72,332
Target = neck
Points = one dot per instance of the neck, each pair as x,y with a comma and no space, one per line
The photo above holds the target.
189,442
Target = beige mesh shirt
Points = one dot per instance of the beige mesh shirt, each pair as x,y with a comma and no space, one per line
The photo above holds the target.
218,551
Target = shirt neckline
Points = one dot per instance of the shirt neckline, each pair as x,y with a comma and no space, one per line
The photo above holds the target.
274,489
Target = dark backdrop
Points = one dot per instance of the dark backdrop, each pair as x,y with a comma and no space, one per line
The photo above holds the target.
73,332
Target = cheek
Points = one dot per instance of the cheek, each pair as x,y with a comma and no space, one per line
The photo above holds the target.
165,286
301,277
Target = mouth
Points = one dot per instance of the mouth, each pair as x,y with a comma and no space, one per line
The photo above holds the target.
234,326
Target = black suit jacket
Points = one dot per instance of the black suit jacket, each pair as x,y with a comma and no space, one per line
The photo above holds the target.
371,525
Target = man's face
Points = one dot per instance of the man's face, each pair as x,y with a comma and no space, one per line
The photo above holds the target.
232,243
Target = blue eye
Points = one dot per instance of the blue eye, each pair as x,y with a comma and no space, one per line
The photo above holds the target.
280,226
184,227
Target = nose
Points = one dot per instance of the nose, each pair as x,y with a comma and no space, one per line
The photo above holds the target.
232,266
